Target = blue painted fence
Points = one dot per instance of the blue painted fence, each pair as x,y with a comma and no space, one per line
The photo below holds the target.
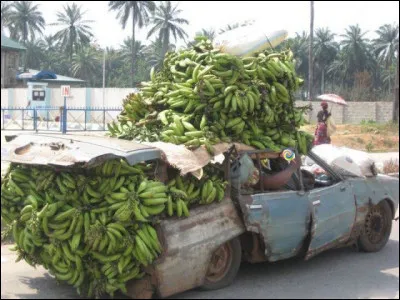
58,118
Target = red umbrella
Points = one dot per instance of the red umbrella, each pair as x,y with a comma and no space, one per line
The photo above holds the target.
332,98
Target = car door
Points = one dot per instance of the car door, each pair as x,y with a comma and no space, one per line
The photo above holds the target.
333,213
281,218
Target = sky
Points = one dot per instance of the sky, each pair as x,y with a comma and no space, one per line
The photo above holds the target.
292,16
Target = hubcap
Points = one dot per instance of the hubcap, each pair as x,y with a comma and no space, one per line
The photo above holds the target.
220,263
375,225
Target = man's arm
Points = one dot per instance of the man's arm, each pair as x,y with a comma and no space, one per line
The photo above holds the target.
276,181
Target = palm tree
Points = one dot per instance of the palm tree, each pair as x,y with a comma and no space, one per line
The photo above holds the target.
208,33
128,52
339,69
387,76
386,45
49,42
299,47
85,63
167,22
357,50
35,54
75,33
325,50
154,53
5,15
204,33
139,12
52,53
114,66
26,19
14,33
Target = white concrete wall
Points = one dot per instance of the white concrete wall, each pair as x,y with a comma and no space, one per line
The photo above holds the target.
355,112
112,96
4,97
20,97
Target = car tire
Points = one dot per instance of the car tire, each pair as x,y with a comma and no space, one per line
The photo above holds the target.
224,265
377,228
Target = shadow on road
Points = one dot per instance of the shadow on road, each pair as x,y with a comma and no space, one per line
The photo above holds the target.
339,273
46,287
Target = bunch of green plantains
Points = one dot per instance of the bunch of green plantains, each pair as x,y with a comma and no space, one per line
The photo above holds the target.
95,228
202,97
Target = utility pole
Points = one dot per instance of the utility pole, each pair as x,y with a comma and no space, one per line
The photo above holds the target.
104,74
310,54
395,116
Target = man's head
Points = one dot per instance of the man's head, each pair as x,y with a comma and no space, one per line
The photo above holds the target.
324,105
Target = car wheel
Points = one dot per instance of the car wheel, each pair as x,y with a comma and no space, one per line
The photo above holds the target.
224,265
377,228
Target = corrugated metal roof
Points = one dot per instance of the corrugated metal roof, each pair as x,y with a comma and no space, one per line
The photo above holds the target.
10,44
60,78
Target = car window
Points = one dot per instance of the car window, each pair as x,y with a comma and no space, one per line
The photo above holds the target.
321,176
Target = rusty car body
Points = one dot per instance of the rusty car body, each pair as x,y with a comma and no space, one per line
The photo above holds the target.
205,250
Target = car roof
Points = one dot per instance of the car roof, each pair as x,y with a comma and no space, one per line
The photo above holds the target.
74,149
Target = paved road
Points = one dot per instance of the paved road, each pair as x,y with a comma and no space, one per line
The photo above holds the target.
341,273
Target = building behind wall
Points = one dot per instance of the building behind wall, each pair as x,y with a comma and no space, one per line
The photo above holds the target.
55,82
11,53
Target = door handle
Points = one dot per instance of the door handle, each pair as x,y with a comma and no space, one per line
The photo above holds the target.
317,202
255,206
342,188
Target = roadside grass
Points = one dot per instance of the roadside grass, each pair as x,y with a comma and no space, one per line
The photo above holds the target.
391,166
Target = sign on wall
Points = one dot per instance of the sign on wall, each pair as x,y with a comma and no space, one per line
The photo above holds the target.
65,91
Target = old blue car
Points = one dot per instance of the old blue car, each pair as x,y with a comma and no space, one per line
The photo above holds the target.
307,215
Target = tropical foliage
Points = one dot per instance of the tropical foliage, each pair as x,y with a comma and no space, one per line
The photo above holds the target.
346,63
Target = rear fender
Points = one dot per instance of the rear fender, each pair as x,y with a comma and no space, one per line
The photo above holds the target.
188,244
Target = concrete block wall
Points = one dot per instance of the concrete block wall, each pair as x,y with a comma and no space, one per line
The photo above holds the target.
384,111
355,112
359,111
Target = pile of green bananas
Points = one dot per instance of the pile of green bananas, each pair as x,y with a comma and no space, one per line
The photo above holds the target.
202,97
187,191
94,228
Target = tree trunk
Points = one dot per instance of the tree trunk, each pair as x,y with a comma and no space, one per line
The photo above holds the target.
133,43
165,43
25,33
71,48
323,81
395,116
310,54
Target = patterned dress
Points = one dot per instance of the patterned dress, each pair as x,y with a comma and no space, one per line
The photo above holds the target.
321,132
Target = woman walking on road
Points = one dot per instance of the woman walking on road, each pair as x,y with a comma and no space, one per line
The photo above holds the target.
321,132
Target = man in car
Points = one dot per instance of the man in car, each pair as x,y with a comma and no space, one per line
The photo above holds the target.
274,180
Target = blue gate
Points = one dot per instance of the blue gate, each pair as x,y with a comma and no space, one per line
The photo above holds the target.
56,119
